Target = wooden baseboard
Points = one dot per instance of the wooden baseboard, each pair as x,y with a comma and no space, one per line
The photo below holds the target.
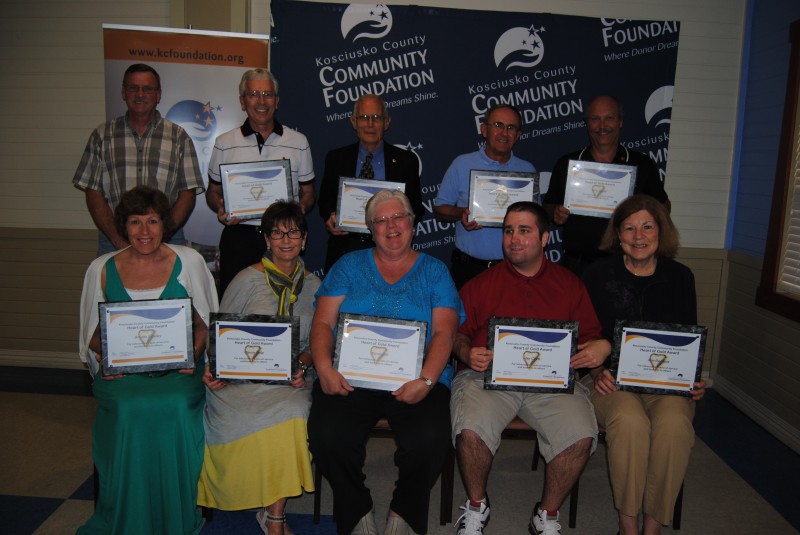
779,428
41,359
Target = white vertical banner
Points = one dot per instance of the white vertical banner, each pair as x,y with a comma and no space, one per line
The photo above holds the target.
200,73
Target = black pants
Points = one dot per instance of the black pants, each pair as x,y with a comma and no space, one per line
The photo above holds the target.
239,246
338,428
464,268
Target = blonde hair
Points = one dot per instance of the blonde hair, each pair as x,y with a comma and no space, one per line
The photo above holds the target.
386,195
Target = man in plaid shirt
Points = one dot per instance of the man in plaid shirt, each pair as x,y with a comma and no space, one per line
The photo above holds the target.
138,148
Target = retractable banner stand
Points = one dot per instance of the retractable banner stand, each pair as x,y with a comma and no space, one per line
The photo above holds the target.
440,70
200,73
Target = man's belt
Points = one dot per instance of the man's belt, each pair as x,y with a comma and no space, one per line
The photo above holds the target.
461,256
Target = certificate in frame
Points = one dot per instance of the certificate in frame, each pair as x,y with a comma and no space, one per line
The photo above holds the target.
249,188
146,336
657,358
595,189
352,201
531,355
379,353
492,192
254,348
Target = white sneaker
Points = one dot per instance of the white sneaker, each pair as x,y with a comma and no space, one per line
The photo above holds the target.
541,525
366,526
473,520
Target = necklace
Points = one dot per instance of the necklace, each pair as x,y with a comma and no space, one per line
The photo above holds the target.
645,271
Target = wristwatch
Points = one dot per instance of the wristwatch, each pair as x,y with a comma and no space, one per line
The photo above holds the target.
427,381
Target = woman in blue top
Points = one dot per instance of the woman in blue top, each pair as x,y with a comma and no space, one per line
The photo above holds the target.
147,438
391,280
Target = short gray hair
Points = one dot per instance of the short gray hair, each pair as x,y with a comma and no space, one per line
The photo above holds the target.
384,107
257,74
386,195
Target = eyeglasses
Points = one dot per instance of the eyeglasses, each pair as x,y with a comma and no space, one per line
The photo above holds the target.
278,234
512,128
364,118
395,218
253,95
146,89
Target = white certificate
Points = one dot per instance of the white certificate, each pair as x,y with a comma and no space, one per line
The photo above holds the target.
531,355
492,192
379,353
352,202
595,189
253,347
146,336
662,359
249,188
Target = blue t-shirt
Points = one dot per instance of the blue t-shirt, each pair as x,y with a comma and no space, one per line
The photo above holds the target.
486,243
426,286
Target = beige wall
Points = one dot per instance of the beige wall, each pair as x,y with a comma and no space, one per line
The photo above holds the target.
760,370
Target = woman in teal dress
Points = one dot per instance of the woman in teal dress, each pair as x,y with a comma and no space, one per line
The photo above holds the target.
147,438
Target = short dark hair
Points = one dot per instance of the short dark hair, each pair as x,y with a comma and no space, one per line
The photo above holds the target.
141,67
668,236
503,107
285,212
139,201
542,221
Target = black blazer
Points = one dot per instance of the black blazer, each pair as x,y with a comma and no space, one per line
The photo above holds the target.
400,165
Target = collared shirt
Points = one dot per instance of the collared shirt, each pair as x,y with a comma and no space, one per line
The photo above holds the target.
553,293
486,243
377,161
116,159
243,144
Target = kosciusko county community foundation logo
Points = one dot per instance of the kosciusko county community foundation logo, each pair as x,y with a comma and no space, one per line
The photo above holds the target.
659,106
519,47
372,21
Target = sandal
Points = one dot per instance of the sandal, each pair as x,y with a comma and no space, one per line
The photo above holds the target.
264,518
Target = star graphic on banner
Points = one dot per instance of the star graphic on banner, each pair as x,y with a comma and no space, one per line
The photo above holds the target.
383,15
207,107
209,121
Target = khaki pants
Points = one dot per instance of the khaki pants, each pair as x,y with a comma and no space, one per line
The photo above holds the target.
649,438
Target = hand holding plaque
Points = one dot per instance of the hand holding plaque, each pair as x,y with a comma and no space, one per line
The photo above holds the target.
379,353
249,188
352,202
657,358
595,189
146,336
254,348
531,355
492,192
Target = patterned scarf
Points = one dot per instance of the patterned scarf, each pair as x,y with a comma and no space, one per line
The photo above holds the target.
285,287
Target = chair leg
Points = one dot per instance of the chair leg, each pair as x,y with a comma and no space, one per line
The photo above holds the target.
317,493
96,485
573,504
535,461
446,499
676,513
